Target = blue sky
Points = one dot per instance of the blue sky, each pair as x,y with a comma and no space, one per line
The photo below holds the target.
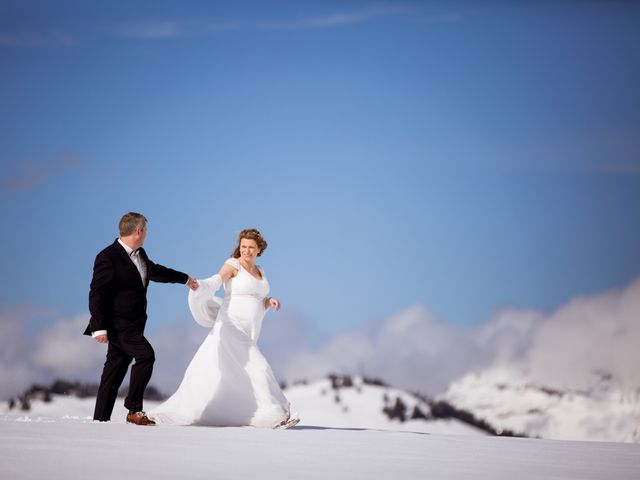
461,156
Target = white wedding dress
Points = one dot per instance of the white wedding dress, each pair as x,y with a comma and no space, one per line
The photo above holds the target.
229,382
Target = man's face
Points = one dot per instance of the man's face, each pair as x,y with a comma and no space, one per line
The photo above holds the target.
141,234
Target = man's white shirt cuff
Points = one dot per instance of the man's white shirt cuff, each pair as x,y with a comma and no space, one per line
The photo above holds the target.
98,332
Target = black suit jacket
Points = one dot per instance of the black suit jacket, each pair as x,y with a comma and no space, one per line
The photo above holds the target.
117,297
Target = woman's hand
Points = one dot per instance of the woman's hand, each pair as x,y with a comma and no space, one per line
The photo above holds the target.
272,302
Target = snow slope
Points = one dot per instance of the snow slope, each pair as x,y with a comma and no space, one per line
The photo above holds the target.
361,406
62,448
324,402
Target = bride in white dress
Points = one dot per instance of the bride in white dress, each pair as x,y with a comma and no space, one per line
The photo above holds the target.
229,382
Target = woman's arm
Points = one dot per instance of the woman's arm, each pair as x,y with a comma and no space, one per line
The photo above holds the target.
227,271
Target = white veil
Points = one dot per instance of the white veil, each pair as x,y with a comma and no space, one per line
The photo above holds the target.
204,305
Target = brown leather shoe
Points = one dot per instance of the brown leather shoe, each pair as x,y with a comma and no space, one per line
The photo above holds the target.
139,418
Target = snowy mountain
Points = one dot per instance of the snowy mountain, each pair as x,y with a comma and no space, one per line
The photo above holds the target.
339,401
507,398
355,402
495,401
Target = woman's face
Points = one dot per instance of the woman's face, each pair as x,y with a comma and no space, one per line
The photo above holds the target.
248,249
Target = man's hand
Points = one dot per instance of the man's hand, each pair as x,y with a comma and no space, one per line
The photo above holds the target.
192,283
101,339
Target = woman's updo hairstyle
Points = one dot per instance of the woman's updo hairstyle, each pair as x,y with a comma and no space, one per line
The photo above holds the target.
250,234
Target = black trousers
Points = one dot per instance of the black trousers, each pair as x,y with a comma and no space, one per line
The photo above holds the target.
122,349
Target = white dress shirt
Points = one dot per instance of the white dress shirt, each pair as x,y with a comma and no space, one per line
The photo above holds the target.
137,260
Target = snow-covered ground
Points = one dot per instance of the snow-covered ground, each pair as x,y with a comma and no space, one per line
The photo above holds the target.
58,440
63,448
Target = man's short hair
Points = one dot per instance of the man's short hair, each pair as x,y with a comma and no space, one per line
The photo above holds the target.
130,222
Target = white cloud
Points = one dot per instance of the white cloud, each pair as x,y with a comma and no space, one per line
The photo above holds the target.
61,351
164,29
15,370
589,336
366,14
150,29
411,349
508,335
175,345
37,39
167,29
28,174
56,351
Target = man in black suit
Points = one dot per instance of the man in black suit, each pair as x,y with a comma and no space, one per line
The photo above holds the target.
118,307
